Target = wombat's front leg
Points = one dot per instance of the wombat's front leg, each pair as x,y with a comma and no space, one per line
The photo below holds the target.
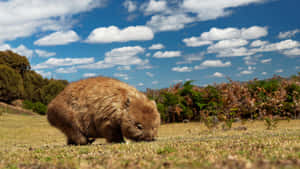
114,136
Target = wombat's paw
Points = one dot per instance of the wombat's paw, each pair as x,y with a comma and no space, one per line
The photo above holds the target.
91,140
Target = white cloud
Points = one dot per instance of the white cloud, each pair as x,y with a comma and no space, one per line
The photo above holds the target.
231,52
155,82
66,70
58,38
264,73
24,51
292,52
44,74
191,58
182,69
279,71
217,74
258,43
235,35
89,75
266,60
124,67
213,63
149,74
154,6
124,56
156,46
21,50
22,18
141,84
131,6
114,34
279,46
159,23
44,54
246,72
232,43
213,9
288,34
167,54
250,60
56,62
121,75
196,42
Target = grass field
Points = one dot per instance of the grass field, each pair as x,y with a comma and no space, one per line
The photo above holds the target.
30,142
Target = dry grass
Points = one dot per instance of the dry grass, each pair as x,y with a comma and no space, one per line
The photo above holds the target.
29,142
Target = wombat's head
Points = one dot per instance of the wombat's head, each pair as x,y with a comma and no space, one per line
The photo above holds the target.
141,121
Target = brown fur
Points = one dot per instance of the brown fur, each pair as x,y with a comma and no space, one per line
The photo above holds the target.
103,108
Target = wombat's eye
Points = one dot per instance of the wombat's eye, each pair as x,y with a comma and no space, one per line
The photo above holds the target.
139,126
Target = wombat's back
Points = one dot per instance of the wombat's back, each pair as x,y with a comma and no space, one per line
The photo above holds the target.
90,95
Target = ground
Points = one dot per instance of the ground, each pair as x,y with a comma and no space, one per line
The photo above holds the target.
28,141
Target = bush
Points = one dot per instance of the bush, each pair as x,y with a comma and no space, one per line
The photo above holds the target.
11,84
37,107
27,104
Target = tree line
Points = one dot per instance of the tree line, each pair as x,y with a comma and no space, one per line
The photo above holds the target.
18,81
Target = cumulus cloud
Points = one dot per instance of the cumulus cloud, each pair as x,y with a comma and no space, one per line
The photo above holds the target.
126,67
191,58
124,56
292,52
157,46
131,6
159,23
216,34
21,50
258,43
279,71
175,15
207,10
114,34
121,75
154,6
155,82
66,70
141,84
57,62
89,75
167,54
279,46
58,38
232,43
182,69
217,74
288,34
44,74
213,63
149,74
264,73
44,54
249,71
246,72
22,18
266,60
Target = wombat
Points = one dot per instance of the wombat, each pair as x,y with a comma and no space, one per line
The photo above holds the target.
103,107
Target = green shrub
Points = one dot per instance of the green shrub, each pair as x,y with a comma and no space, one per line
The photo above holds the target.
27,104
39,108
11,84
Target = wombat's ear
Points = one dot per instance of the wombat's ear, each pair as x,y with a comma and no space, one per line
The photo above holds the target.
153,102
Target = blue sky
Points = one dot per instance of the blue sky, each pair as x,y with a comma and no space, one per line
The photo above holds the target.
155,43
